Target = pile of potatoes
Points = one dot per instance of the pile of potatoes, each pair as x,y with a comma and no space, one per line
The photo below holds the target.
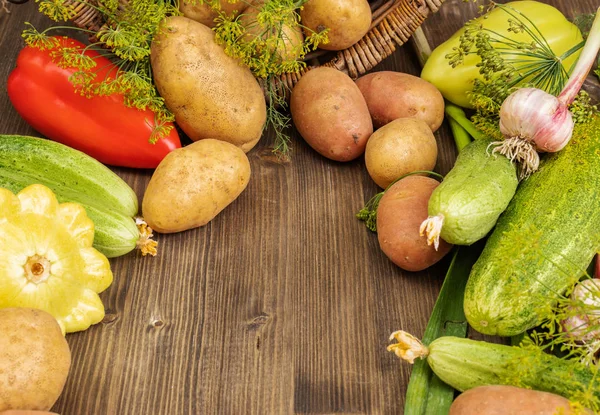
220,106
390,117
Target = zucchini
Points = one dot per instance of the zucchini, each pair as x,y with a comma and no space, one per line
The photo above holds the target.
74,177
467,204
543,243
465,364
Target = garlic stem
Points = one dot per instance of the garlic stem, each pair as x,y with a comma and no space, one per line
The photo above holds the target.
584,64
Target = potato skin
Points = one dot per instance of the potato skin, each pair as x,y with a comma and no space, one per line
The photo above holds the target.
34,359
26,412
400,147
194,184
331,114
508,400
292,37
392,95
210,93
203,13
401,211
347,20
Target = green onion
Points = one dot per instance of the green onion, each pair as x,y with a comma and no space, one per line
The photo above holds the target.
426,393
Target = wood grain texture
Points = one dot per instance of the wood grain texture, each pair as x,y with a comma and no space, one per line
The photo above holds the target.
283,304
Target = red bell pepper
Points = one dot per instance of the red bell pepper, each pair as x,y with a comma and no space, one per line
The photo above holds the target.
101,126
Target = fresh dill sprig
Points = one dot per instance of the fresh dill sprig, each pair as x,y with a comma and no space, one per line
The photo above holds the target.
124,39
261,43
507,64
127,36
582,109
368,213
57,10
277,118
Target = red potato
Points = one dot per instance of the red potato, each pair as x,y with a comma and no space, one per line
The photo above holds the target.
331,114
392,95
510,400
401,211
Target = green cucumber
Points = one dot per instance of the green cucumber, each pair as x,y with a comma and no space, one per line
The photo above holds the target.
543,242
465,364
66,171
467,204
74,177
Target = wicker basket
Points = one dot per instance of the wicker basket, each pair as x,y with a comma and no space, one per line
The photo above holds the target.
394,21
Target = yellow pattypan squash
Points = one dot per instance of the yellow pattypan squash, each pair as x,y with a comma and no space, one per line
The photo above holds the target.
47,260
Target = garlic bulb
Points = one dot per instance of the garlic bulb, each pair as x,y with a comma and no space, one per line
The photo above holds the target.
583,323
533,120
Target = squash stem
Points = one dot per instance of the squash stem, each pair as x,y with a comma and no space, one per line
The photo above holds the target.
461,137
458,115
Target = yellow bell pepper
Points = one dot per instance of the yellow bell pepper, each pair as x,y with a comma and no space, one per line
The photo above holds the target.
454,83
47,260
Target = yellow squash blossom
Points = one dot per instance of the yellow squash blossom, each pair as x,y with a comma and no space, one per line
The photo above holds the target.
47,260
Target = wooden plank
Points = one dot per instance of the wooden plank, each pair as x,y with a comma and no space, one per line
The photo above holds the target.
282,304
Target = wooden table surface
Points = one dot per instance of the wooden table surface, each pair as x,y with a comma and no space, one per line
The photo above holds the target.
282,304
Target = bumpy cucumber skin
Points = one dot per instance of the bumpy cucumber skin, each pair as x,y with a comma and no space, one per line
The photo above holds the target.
465,364
74,177
114,234
542,243
473,194
66,171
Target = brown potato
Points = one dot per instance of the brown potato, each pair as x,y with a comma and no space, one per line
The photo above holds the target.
193,184
26,412
509,400
331,114
34,359
291,37
203,13
400,147
210,93
347,20
392,95
401,211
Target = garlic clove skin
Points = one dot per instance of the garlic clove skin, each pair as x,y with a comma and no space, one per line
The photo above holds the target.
537,117
577,328
555,135
583,323
588,291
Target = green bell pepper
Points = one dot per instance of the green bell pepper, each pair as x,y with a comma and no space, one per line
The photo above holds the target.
543,20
